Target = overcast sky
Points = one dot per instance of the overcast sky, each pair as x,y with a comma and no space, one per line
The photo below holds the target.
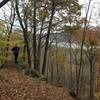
95,9
95,13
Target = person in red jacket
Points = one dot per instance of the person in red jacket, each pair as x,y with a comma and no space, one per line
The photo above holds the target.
15,51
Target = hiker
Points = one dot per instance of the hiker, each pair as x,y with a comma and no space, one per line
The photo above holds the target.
15,51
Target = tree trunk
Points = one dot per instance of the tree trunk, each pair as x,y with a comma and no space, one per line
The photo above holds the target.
12,18
47,39
91,82
24,33
34,36
39,47
24,53
82,44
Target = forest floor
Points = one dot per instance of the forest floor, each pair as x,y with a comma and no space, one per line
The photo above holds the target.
15,85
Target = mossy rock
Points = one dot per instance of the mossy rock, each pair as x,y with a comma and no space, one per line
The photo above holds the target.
34,73
31,72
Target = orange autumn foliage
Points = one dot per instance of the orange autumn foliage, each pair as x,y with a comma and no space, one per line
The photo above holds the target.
90,37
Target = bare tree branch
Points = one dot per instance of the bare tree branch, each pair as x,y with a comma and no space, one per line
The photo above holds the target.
3,3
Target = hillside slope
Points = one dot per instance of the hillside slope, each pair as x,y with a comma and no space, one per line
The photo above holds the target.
14,85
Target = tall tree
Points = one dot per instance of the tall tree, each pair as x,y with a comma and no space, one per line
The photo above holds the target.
91,45
10,26
82,44
48,35
25,33
34,36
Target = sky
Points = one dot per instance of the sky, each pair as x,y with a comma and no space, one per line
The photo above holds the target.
94,4
3,10
95,7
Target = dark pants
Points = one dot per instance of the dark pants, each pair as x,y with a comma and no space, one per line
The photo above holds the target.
16,57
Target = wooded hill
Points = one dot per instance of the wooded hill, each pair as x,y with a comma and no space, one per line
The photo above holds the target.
35,21
15,85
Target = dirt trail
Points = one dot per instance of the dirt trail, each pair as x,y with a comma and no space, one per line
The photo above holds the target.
14,85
